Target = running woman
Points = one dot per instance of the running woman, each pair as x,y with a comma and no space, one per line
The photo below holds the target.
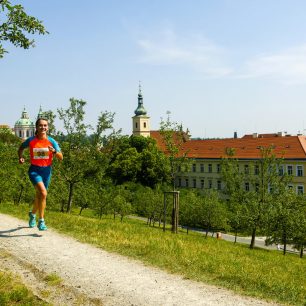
42,150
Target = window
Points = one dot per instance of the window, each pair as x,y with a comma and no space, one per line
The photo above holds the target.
202,184
256,187
187,182
194,183
281,170
209,184
290,187
20,135
218,168
299,170
247,186
300,189
256,170
136,125
289,170
28,133
246,169
219,185
210,168
194,167
144,124
202,167
179,182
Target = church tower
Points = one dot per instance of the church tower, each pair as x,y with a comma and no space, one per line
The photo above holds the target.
141,122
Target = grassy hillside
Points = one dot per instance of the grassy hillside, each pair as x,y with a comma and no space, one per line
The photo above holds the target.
260,273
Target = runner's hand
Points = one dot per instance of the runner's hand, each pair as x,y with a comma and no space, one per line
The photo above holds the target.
21,160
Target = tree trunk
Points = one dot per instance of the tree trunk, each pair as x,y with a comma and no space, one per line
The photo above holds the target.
236,233
285,243
20,194
302,251
62,206
71,185
253,238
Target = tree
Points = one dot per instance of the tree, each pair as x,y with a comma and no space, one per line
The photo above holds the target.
189,209
16,25
173,139
137,159
213,214
281,225
253,205
83,159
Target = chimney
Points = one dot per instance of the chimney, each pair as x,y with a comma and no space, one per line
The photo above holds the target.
235,135
255,135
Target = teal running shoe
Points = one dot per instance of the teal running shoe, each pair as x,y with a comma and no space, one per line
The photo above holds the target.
32,219
41,225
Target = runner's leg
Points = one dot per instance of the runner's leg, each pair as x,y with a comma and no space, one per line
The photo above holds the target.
40,199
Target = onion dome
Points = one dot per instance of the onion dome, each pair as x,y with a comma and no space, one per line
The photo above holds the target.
140,110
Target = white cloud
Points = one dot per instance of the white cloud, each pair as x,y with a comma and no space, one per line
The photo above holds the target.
192,52
288,66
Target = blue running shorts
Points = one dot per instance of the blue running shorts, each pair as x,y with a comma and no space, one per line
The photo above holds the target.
40,174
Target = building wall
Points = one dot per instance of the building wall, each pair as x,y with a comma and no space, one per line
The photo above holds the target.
206,174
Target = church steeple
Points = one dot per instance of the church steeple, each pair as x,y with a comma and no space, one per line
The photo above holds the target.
141,122
140,110
40,113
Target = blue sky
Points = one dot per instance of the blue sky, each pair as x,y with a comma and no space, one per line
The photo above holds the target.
217,66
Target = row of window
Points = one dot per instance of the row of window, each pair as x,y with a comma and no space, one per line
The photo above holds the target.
289,169
193,183
209,185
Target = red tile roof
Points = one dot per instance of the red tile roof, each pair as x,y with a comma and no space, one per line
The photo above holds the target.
288,147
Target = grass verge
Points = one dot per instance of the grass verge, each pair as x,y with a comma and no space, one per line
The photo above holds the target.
259,273
13,292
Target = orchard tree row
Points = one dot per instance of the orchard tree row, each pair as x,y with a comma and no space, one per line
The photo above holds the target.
119,175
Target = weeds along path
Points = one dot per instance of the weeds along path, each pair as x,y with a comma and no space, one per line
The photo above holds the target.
104,277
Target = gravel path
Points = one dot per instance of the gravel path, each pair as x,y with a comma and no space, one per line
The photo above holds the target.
105,278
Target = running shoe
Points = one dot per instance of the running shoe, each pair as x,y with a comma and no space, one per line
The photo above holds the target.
41,225
32,219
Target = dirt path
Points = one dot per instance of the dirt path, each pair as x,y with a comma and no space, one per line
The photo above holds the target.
92,276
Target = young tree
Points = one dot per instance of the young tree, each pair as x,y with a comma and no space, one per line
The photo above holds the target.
254,205
173,140
15,24
83,159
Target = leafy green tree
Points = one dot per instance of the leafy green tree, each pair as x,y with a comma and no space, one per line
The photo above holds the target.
253,205
15,24
173,139
82,159
281,225
299,234
189,209
122,201
213,213
234,192
137,159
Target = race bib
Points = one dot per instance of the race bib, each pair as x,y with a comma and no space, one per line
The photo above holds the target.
40,153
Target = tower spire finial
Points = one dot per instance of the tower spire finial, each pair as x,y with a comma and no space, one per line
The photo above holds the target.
139,87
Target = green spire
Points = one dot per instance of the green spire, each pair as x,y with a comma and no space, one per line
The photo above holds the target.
140,110
40,113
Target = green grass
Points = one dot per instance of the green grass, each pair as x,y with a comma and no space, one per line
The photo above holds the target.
259,273
13,292
53,279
